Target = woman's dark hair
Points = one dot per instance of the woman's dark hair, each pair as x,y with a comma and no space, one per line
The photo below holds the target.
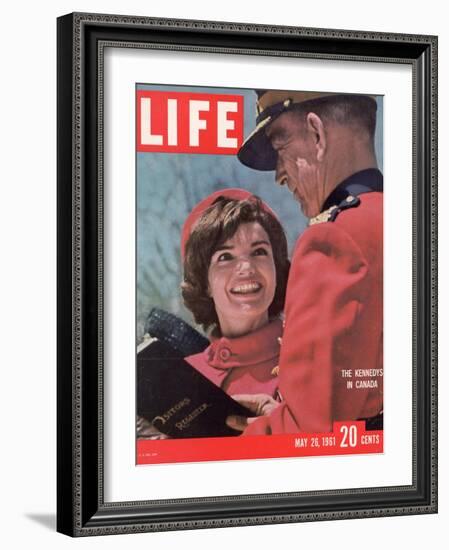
216,225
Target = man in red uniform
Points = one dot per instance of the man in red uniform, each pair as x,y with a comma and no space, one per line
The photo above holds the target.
331,361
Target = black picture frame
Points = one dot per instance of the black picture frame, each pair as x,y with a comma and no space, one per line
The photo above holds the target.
81,510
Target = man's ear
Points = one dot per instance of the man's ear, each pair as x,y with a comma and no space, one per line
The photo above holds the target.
316,127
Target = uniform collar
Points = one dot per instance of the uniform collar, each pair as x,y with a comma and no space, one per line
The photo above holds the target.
255,347
365,181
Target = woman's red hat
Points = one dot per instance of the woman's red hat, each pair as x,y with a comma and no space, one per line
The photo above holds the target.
198,210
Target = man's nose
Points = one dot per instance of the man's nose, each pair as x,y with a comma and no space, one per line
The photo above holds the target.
280,175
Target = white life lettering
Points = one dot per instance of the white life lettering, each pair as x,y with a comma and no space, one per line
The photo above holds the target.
197,124
146,137
172,122
224,124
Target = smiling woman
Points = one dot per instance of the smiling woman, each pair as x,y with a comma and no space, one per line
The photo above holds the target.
242,280
235,273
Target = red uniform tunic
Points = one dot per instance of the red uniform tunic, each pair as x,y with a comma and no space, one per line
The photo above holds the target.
245,364
333,324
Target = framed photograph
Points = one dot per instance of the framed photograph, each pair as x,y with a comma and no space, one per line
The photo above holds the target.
247,278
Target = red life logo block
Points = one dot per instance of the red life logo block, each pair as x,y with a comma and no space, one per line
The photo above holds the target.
184,122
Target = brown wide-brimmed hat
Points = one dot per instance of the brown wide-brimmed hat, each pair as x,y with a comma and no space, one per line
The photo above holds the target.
257,151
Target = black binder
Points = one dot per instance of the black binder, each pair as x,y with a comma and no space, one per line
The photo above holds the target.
178,400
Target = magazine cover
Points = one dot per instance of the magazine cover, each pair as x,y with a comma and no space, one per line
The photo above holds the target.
259,292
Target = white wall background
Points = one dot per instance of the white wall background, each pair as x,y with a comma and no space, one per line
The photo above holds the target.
28,267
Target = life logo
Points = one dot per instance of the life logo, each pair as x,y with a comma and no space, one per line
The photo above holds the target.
185,122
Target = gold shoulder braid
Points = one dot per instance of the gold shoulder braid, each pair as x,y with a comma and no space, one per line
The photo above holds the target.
331,213
323,216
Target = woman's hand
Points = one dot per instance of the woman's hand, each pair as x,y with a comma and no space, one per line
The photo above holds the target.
146,430
259,404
